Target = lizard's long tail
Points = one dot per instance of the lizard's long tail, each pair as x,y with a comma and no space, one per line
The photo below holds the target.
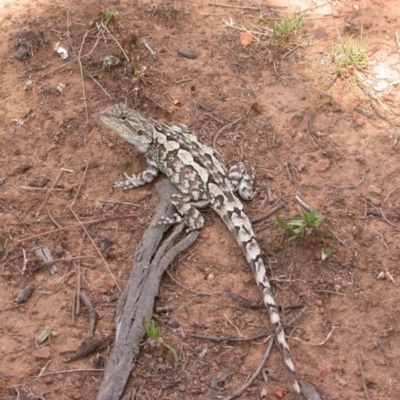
240,226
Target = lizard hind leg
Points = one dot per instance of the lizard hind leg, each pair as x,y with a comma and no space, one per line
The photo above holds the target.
242,181
187,213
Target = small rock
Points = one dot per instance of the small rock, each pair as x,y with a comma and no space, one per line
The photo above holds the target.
173,323
381,275
375,201
361,267
182,388
319,303
374,190
21,53
359,121
111,284
342,382
278,394
246,39
42,353
323,164
335,13
323,372
188,53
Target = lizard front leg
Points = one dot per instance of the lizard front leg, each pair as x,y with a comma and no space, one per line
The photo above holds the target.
242,181
141,179
187,212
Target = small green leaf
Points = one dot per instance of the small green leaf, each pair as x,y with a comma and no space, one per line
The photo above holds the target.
283,224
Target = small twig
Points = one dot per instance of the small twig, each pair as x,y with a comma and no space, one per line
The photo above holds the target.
86,231
189,289
303,203
42,370
116,41
273,210
337,238
330,292
239,391
51,217
389,222
12,307
96,221
388,195
52,187
25,263
394,145
348,186
363,377
230,339
270,197
70,371
44,263
396,35
91,313
297,317
227,126
152,52
229,6
316,344
78,278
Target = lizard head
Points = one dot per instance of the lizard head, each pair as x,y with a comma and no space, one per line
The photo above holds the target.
129,124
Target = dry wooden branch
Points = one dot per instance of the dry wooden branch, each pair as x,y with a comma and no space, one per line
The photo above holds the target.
151,258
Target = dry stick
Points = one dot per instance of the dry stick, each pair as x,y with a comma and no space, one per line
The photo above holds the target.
239,391
96,221
52,187
116,41
347,187
316,344
68,371
389,194
230,339
137,300
389,222
78,278
189,289
228,6
363,377
79,63
273,210
91,313
396,35
44,263
303,203
86,231
227,126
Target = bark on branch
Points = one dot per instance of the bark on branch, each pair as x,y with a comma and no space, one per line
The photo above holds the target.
152,257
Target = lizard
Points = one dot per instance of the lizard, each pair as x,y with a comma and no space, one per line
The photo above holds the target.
202,179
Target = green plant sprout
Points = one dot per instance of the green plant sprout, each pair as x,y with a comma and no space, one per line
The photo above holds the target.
287,26
110,15
154,334
350,53
303,226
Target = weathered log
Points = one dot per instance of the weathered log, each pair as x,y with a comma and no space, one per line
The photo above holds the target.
151,259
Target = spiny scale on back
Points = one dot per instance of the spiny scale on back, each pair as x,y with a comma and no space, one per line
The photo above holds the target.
203,180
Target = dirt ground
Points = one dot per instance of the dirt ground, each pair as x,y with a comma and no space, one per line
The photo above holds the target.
307,131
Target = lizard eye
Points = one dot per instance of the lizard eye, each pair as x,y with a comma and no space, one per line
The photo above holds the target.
123,117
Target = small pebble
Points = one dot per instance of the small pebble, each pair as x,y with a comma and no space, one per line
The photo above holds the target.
335,13
381,275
